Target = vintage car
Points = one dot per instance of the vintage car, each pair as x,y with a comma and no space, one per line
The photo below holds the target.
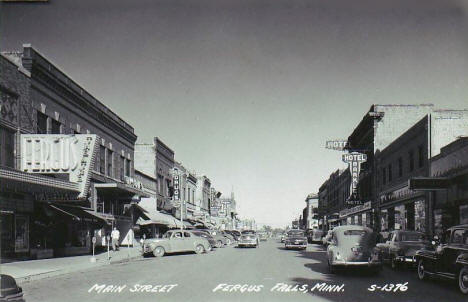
447,258
295,239
234,233
315,235
401,247
229,238
221,240
207,236
353,246
263,236
326,238
10,291
248,238
175,241
283,238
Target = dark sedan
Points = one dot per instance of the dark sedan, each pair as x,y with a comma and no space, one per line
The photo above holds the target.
10,291
401,247
295,239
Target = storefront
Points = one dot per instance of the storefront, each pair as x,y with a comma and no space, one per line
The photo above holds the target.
358,215
404,209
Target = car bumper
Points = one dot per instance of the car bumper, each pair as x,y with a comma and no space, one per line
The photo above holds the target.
406,259
295,246
342,263
247,243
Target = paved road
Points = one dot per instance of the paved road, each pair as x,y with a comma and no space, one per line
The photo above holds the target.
197,276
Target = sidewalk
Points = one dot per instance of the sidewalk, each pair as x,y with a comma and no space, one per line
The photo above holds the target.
24,271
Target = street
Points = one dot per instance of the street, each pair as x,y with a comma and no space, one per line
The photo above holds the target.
213,276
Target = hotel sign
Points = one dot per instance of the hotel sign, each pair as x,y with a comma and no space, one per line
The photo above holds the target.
60,154
338,145
354,160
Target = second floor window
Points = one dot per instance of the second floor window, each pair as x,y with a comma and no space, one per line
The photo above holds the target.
384,176
400,167
127,167
7,147
102,160
110,162
390,172
411,160
55,127
420,156
122,168
41,123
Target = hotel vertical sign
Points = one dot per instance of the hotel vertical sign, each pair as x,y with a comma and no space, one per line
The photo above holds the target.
354,160
60,154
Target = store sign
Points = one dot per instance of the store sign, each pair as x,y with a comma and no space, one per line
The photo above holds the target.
428,183
354,160
176,187
364,207
338,145
60,154
134,183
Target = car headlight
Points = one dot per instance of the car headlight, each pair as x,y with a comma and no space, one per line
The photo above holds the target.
338,256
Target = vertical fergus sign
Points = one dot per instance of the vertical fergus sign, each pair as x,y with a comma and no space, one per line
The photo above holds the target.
354,160
60,154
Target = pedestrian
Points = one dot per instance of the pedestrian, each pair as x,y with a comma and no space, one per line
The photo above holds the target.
115,239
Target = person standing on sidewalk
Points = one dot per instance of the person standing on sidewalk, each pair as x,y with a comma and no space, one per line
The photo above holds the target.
115,239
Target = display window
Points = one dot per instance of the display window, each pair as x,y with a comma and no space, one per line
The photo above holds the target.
21,233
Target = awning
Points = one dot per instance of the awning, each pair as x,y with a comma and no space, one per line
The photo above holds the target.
155,217
120,188
83,214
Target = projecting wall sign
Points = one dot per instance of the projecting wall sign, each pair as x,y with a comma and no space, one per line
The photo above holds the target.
60,154
338,145
354,160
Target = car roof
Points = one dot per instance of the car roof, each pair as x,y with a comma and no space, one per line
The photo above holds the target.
461,226
343,228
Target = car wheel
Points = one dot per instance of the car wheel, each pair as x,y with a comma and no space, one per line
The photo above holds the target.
219,243
394,263
331,270
210,248
463,280
422,270
159,251
228,241
199,249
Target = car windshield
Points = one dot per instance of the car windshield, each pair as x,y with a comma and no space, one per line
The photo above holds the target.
354,233
296,233
412,236
248,232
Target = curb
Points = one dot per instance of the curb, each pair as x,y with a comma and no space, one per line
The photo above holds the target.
55,273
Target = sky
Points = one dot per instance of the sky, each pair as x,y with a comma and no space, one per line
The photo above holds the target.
247,92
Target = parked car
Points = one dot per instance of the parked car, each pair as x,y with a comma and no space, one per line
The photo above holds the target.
234,233
263,236
401,247
315,235
353,246
207,236
229,238
283,238
295,239
176,241
447,258
10,291
248,238
218,237
326,238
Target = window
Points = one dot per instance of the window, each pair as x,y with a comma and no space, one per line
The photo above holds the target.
160,185
127,167
420,156
186,234
460,236
110,162
41,124
384,176
400,167
55,127
122,167
390,172
102,159
7,147
411,160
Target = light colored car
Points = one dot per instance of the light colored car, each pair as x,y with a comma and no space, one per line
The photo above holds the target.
248,238
175,241
263,236
353,246
326,238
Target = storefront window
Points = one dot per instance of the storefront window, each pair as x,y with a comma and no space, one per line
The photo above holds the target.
400,219
21,233
384,220
364,219
348,220
420,216
464,214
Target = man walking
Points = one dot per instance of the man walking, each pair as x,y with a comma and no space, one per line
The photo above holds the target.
115,239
